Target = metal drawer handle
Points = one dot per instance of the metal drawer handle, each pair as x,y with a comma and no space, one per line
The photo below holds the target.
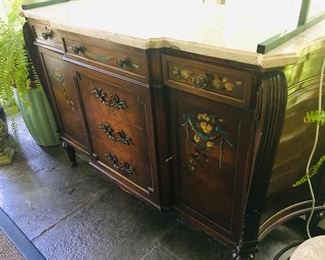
100,95
125,63
127,168
113,159
47,35
120,165
200,81
107,129
123,138
116,102
119,136
78,49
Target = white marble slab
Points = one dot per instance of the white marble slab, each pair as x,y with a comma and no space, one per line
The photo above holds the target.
228,32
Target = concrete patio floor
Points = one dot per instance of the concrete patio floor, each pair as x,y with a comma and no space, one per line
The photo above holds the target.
73,213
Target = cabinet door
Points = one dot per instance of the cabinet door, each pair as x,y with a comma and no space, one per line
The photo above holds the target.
210,146
119,119
65,99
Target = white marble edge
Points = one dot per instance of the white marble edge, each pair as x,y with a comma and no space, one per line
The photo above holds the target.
286,54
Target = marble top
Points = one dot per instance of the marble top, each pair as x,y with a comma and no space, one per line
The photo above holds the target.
228,32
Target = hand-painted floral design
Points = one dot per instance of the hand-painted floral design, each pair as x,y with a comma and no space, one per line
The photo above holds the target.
208,133
59,78
214,82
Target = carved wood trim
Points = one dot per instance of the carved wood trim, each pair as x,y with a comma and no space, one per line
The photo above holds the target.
270,113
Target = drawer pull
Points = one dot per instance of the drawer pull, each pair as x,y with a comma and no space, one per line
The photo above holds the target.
127,168
78,49
113,159
119,136
107,129
98,93
123,138
200,81
125,63
122,166
116,102
47,35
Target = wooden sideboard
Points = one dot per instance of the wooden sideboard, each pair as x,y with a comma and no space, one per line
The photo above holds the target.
177,129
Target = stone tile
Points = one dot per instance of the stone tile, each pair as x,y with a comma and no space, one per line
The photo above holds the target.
115,226
189,244
158,252
40,188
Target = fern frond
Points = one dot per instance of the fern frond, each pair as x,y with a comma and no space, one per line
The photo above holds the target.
14,129
312,171
315,117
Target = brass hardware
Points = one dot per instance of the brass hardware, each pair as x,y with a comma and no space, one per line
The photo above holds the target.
122,166
98,93
78,49
127,168
123,138
200,81
125,63
115,101
107,129
48,34
113,159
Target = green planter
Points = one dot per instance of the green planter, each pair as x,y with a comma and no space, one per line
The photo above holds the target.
38,117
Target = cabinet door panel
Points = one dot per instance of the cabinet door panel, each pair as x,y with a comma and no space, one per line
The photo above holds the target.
66,99
210,142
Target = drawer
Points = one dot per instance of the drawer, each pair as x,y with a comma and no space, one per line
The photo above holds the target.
124,60
121,102
129,166
214,82
47,35
125,138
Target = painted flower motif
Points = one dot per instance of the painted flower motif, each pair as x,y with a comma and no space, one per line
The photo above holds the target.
210,144
203,117
197,138
207,128
185,74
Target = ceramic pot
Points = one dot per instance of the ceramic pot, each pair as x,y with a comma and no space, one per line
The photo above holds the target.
38,117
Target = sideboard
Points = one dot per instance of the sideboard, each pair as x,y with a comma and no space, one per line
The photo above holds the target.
176,127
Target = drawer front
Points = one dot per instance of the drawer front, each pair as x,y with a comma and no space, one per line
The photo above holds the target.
126,164
47,35
123,137
121,59
210,81
124,105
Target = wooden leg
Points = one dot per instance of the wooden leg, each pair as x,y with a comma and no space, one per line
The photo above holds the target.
70,152
244,252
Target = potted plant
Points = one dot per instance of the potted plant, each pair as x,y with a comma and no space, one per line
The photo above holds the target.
19,84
